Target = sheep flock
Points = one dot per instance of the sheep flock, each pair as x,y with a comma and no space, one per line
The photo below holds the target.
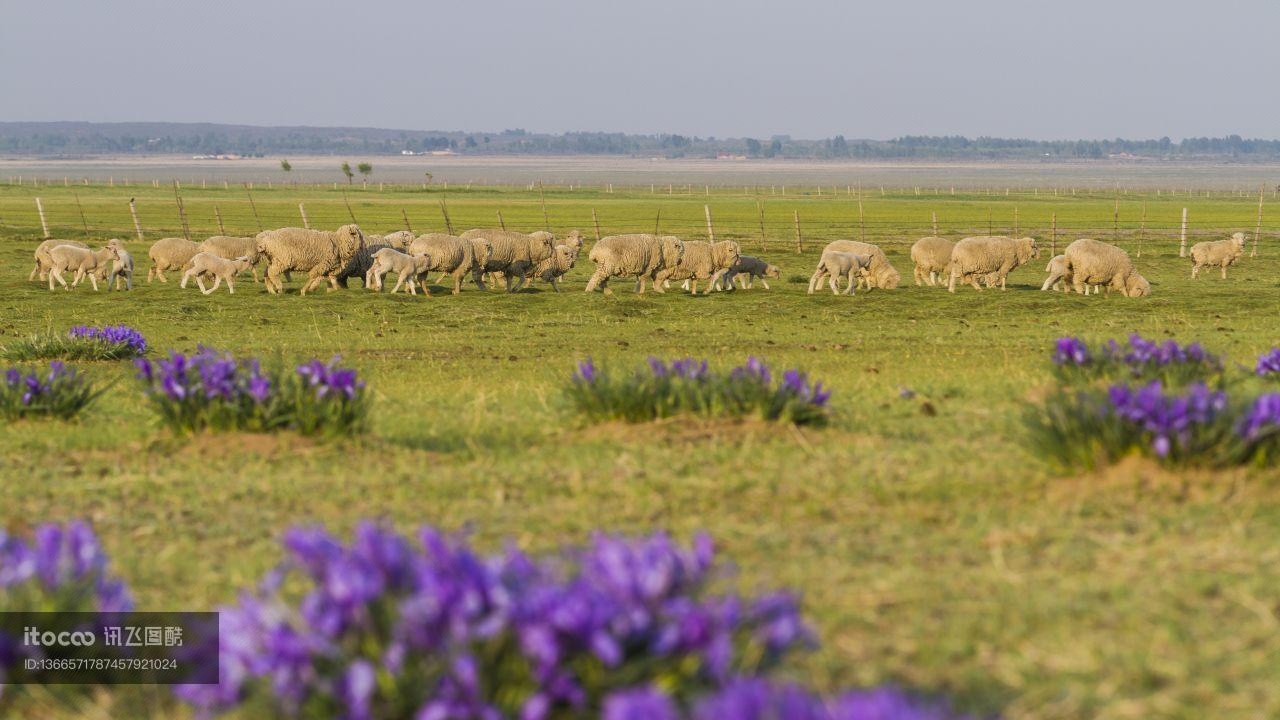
509,260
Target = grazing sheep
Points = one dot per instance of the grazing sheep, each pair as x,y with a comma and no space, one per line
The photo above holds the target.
207,264
514,254
407,267
834,265
702,261
121,266
638,255
230,248
1217,253
1097,263
44,262
1059,274
170,254
450,255
84,261
551,270
748,268
931,256
321,254
575,240
974,258
880,274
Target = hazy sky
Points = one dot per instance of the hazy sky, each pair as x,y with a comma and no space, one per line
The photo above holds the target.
1064,69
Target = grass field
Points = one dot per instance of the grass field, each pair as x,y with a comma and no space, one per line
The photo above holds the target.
930,547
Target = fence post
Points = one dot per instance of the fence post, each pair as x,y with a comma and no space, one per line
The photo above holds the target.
657,221
80,207
346,202
43,225
711,232
218,216
935,224
862,223
546,223
595,221
501,223
799,239
764,242
254,205
182,213
1142,228
1257,230
137,226
302,210
1015,221
1053,235
405,215
1182,246
444,210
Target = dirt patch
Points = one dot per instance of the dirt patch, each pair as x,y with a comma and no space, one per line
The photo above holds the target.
230,444
1138,475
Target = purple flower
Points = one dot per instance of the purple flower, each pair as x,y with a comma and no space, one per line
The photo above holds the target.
689,369
639,704
66,560
1262,416
587,371
755,369
357,689
112,335
1269,363
1070,351
888,703
656,366
1170,420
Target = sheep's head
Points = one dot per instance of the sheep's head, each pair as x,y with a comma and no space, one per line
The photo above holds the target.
574,238
542,245
567,255
886,276
117,244
350,241
772,271
1237,239
260,243
727,253
672,250
1136,286
1027,249
242,263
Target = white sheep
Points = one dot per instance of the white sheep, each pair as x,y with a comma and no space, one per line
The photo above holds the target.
834,265
84,261
1217,253
639,255
229,247
702,261
206,264
170,254
450,255
1059,274
747,270
931,256
44,262
321,254
407,267
514,254
121,266
879,274
1098,263
975,258
551,270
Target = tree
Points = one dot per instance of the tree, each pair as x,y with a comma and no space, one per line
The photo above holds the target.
753,147
285,166
429,176
346,170
365,169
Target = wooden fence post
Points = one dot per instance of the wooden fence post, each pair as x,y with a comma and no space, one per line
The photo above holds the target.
346,202
1015,221
43,225
764,242
254,206
302,210
1053,235
444,210
799,239
657,221
1142,228
218,216
711,231
501,223
405,215
546,223
1115,221
595,221
935,224
83,221
1182,246
137,226
862,223
1257,230
182,213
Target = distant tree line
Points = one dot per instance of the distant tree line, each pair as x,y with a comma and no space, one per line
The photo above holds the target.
70,139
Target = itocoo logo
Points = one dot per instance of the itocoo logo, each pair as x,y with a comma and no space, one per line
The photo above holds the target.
31,636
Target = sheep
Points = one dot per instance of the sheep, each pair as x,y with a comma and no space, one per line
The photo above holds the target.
83,260
170,254
1097,263
230,248
977,257
879,274
551,270
407,267
749,268
834,265
450,255
121,266
637,255
702,261
44,262
931,256
321,254
399,240
207,264
575,240
1217,253
514,254
1059,274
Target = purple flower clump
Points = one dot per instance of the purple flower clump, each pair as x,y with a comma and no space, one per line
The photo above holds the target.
1269,363
1070,351
61,561
1262,417
1143,352
205,374
1169,419
114,335
328,378
35,386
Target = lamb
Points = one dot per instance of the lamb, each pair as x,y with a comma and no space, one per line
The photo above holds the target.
639,255
121,266
514,254
974,258
931,256
170,254
552,269
230,248
449,255
748,268
1059,274
834,265
1217,253
321,254
880,274
702,261
207,264
82,260
1097,263
44,262
407,267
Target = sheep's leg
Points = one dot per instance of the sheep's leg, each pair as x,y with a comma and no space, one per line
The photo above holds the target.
817,278
597,279
93,280
763,282
457,281
254,268
217,283
186,276
54,274
1224,272
833,283
1195,270
399,282
850,288
231,286
555,283
34,272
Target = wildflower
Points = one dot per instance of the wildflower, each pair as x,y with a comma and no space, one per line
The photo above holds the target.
1269,363
1070,351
